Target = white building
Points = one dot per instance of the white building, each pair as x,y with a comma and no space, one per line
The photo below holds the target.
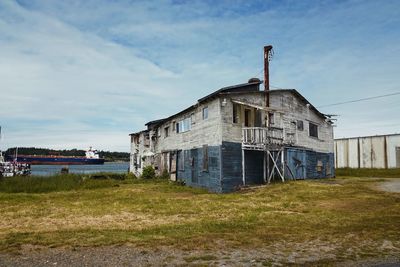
380,151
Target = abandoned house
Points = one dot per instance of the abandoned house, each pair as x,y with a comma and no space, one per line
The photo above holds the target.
239,135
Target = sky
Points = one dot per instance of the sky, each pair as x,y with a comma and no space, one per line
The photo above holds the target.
75,74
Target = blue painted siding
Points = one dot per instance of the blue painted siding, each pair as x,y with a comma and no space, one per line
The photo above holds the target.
224,173
231,166
193,173
320,165
296,163
309,164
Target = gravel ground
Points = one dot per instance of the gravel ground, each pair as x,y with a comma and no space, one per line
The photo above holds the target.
164,256
391,186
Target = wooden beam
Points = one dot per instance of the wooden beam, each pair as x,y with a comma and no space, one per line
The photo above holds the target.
243,168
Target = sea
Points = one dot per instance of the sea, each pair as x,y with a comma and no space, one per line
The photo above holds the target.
47,170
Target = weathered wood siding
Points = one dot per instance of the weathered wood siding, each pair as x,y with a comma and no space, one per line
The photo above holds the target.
195,175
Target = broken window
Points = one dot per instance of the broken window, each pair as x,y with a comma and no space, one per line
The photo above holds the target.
166,131
205,113
271,118
313,129
236,112
205,157
300,125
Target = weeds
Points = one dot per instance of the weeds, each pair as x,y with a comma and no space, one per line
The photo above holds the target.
384,173
57,183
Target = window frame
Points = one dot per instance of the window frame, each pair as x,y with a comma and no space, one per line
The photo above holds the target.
310,130
205,113
166,131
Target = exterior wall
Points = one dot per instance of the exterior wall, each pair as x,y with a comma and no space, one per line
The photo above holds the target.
393,142
231,166
293,109
194,174
203,132
367,152
140,149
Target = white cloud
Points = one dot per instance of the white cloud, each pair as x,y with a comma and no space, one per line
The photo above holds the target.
106,68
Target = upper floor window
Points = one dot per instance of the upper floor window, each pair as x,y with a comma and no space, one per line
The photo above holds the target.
236,113
166,131
313,129
184,125
300,125
205,113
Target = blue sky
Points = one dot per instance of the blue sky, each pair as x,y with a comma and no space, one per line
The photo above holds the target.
75,74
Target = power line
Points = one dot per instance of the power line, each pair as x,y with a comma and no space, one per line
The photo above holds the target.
359,100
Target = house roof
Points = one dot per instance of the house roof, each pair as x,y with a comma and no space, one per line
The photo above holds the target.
251,87
293,91
248,87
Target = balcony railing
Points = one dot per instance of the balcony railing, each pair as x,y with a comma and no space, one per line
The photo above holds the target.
261,137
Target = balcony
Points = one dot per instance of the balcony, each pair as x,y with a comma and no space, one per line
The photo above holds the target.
261,138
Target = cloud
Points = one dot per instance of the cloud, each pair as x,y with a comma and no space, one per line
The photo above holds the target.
87,73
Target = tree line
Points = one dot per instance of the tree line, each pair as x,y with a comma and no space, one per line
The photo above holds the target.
107,155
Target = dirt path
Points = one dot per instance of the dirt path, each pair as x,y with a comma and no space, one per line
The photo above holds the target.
392,185
164,256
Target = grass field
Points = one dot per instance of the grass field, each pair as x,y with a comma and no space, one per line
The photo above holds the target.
346,217
388,173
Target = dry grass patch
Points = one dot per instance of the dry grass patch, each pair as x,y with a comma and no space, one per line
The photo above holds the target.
345,216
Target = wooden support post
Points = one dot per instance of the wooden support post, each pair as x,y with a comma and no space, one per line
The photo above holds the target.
283,164
268,166
243,168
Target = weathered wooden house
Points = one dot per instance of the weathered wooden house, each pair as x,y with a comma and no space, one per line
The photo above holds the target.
238,135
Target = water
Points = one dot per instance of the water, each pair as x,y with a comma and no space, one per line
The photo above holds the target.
114,167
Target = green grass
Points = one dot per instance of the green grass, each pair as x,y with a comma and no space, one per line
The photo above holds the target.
57,183
345,213
383,173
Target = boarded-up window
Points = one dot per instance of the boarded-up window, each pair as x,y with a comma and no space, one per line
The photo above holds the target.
313,130
300,125
181,161
236,113
205,157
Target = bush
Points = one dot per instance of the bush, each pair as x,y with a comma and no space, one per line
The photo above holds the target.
148,172
164,175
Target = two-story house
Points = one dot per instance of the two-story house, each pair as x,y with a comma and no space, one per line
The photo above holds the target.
234,137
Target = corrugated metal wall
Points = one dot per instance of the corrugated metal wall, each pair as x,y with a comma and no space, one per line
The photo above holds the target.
368,152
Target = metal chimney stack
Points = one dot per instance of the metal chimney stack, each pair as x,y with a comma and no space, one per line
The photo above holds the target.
267,57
